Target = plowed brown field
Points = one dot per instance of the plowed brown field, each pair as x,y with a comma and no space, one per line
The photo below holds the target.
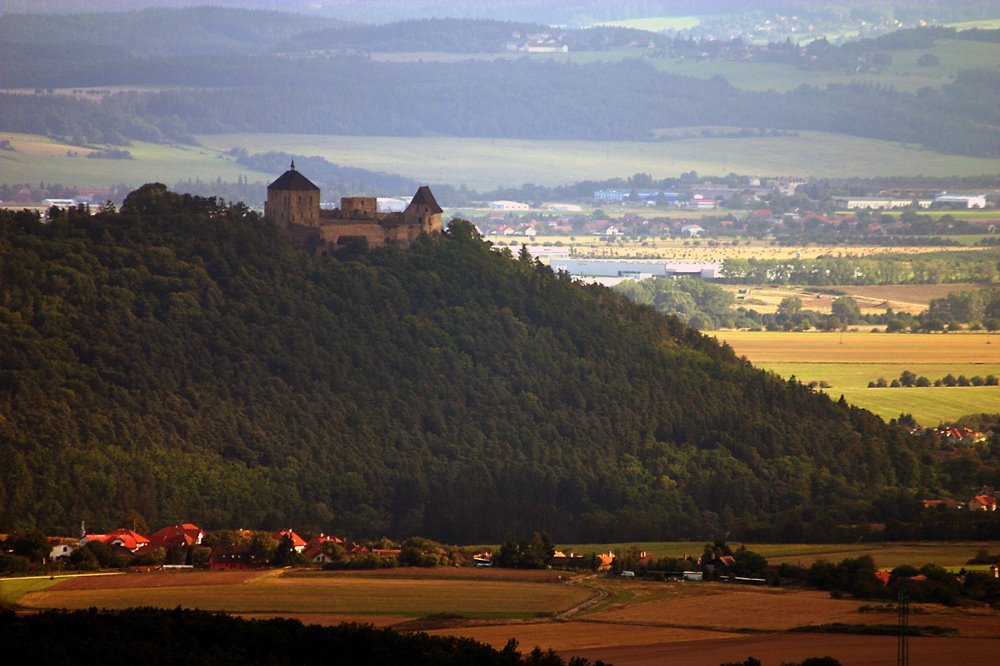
774,649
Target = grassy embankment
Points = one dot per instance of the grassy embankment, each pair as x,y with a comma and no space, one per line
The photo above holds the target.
849,361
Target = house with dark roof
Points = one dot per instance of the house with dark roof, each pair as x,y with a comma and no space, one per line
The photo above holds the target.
293,203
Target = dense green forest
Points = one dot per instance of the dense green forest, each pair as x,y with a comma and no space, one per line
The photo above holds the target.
179,358
626,100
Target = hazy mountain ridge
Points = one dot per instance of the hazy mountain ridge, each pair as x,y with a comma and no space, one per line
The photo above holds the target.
161,31
629,100
181,359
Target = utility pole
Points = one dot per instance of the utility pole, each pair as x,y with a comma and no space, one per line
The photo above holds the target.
902,641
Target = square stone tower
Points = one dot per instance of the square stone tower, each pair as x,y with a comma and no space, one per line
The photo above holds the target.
292,199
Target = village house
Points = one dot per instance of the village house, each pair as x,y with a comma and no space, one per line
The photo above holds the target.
317,554
982,502
298,543
62,550
121,538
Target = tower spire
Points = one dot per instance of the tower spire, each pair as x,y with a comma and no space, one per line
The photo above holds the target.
293,164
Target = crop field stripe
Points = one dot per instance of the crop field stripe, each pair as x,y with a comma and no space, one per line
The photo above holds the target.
335,594
857,347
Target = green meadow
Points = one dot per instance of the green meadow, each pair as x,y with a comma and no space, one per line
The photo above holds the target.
12,589
36,159
849,362
929,406
857,375
485,164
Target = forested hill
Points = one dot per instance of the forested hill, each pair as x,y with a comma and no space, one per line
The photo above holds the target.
181,359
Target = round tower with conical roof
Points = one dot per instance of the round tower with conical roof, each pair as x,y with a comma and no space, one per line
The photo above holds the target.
292,199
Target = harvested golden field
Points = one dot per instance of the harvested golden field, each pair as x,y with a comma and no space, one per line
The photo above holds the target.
907,297
723,607
321,593
158,579
862,347
711,623
872,299
452,573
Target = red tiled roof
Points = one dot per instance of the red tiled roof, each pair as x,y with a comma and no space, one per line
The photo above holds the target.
323,538
986,500
186,533
297,541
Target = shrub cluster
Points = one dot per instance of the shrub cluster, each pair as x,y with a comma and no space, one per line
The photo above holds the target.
909,379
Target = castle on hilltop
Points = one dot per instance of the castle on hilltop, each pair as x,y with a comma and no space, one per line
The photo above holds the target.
293,204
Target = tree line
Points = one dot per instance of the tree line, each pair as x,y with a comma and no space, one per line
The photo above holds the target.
200,637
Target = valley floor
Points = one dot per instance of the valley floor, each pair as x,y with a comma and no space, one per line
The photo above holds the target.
622,621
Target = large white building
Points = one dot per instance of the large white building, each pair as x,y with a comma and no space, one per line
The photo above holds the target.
961,200
878,203
637,270
508,205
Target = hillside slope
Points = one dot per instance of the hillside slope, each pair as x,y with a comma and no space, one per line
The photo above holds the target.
181,359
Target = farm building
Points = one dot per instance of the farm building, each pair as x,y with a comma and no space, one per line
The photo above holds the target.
621,195
960,200
508,205
878,203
